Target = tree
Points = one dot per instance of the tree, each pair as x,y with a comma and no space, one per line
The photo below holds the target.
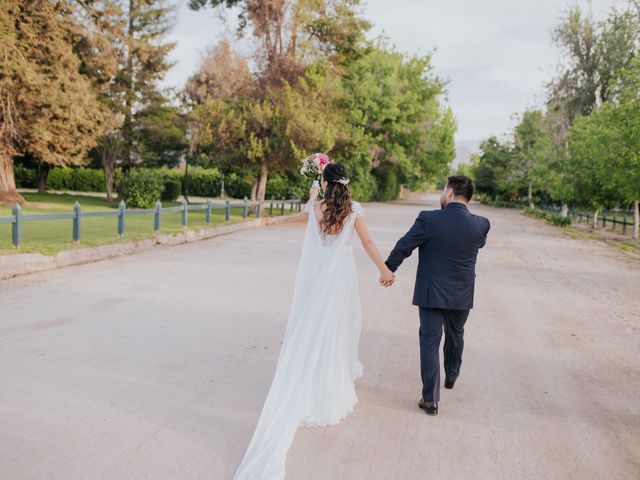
492,169
319,85
607,145
270,129
290,31
145,63
102,54
160,135
433,166
596,52
392,108
222,74
48,106
213,97
551,172
293,78
585,166
109,149
531,141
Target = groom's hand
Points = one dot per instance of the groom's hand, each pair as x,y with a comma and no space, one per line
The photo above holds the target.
387,278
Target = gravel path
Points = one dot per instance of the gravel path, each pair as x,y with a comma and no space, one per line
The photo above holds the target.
155,366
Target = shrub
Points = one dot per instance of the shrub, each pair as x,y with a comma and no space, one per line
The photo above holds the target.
388,184
276,186
287,185
205,182
25,177
80,179
533,212
550,217
237,185
558,220
143,188
500,201
172,187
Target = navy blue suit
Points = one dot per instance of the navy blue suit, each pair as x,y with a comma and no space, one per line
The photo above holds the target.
448,241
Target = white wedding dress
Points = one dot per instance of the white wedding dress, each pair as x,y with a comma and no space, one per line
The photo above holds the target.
318,363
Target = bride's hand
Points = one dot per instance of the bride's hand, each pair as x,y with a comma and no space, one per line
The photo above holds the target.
313,193
387,277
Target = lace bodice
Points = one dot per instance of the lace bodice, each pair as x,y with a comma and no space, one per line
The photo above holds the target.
329,239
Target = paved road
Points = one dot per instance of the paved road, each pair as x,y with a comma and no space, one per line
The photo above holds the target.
155,366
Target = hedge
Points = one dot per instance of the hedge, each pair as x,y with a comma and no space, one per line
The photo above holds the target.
550,217
202,182
80,179
380,184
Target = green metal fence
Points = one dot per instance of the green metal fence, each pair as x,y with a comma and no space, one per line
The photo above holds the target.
17,218
615,220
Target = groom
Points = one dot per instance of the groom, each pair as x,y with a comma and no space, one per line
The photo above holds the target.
448,241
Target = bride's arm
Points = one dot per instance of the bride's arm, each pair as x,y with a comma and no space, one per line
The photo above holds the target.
313,194
386,276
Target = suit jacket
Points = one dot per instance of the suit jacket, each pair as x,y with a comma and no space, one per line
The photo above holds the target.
448,241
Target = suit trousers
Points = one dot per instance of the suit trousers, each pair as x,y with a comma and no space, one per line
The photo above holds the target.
432,323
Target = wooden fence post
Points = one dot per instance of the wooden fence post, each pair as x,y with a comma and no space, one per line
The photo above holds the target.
245,208
185,207
207,215
16,227
121,206
156,217
77,213
227,211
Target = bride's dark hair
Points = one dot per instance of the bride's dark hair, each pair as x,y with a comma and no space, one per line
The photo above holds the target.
337,198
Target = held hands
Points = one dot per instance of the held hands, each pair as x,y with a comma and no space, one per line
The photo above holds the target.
387,278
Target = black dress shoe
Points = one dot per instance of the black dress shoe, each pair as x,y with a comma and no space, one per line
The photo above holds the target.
448,383
429,407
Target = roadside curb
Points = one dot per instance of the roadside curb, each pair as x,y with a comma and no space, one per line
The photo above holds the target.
16,264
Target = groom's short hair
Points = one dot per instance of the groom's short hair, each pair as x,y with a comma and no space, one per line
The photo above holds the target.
462,186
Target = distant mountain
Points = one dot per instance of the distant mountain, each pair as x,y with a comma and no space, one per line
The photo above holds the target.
464,150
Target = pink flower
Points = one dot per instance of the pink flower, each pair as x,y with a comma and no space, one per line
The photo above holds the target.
322,160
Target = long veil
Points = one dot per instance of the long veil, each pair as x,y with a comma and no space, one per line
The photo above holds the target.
303,391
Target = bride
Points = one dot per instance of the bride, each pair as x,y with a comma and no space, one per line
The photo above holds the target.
318,363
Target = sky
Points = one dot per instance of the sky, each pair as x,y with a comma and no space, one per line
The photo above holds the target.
495,54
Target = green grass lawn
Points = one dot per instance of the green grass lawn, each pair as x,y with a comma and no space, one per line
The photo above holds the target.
51,236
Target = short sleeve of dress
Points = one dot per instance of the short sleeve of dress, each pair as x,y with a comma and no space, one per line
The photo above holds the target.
358,209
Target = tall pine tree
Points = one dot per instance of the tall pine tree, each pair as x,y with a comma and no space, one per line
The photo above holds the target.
145,63
49,107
